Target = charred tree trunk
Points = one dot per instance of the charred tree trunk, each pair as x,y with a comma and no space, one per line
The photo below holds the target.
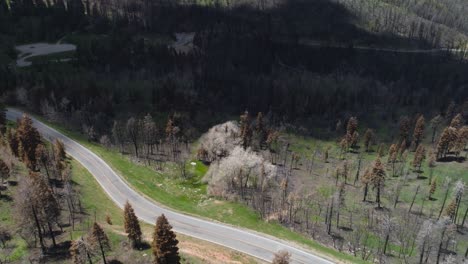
443,203
464,218
51,233
102,251
39,231
414,198
387,237
366,190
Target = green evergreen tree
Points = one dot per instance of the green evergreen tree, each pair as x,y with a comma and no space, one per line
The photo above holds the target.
98,238
164,243
131,225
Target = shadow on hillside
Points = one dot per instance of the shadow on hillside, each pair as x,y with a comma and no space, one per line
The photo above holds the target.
287,21
451,159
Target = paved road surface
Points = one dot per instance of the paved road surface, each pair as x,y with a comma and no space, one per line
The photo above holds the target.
248,242
36,49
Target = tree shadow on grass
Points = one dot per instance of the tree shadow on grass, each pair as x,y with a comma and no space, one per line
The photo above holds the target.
12,183
451,159
115,261
5,197
143,246
345,228
58,253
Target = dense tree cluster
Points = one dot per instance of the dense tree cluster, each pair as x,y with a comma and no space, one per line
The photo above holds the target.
270,188
420,20
45,201
454,138
117,71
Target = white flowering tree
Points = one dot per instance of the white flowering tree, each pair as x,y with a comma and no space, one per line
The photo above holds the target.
220,140
238,171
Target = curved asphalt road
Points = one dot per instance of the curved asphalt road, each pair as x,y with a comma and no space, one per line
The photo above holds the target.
245,241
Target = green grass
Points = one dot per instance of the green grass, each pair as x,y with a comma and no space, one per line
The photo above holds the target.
17,245
189,196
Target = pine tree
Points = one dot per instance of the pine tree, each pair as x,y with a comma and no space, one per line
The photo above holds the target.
150,133
169,128
450,111
344,146
392,157
402,149
44,201
419,156
457,121
404,128
352,125
352,135
75,253
245,130
462,140
79,251
446,142
392,153
366,180
118,134
131,225
326,154
451,209
418,131
435,122
260,129
12,141
98,238
281,257
133,132
260,125
171,135
4,173
272,138
43,158
354,139
59,149
164,243
381,150
28,138
368,138
378,179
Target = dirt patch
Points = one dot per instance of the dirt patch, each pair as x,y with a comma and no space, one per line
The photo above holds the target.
208,256
31,50
184,42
